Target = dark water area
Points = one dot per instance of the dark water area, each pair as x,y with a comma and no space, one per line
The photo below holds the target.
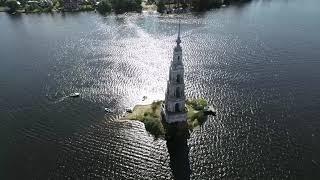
258,62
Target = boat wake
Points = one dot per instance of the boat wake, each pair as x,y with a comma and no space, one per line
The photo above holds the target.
54,99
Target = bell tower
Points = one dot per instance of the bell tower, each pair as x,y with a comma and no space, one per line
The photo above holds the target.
173,110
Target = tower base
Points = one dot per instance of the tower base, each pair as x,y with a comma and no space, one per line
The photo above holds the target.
176,130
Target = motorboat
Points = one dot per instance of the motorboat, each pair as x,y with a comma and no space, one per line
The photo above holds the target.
210,110
128,110
74,95
108,110
144,98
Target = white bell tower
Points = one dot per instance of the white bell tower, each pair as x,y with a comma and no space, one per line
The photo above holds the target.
173,109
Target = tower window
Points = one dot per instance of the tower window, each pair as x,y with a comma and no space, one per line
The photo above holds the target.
178,58
178,78
178,92
177,107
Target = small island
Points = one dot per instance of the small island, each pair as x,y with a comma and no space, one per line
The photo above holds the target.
150,115
176,115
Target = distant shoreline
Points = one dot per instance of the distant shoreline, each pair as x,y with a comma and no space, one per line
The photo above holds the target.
174,9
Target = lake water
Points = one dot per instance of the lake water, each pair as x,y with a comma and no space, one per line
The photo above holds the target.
259,63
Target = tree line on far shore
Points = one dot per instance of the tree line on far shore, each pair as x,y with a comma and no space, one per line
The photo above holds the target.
121,6
103,6
32,6
203,5
194,5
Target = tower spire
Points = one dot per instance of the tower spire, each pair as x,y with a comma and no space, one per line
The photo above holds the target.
178,39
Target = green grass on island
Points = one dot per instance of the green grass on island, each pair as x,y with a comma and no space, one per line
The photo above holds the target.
150,115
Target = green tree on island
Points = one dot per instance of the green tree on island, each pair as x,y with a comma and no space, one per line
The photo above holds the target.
104,6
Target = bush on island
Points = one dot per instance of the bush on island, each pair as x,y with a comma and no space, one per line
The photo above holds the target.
199,117
153,125
155,105
198,104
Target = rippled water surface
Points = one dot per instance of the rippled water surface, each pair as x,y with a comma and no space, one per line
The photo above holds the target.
258,62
